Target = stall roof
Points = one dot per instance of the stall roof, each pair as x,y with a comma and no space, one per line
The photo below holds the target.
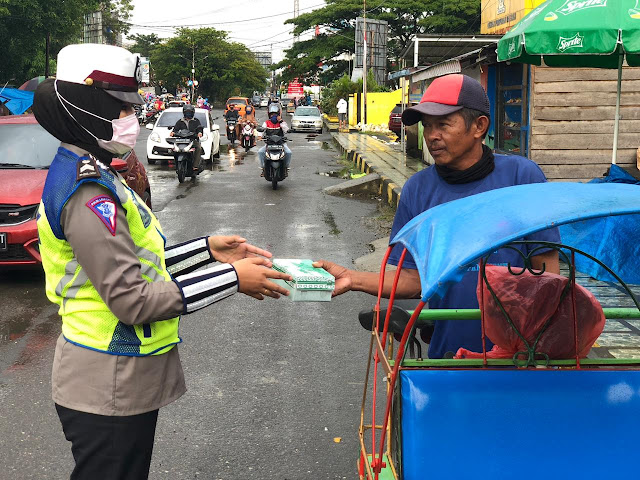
452,65
438,47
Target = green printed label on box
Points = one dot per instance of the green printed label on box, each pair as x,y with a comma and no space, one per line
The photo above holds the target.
304,274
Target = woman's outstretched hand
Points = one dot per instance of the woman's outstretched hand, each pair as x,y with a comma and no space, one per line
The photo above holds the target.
254,278
231,248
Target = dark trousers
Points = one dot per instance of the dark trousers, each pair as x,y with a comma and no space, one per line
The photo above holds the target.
109,448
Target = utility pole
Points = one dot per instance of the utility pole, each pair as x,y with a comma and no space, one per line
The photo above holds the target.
296,13
193,70
364,63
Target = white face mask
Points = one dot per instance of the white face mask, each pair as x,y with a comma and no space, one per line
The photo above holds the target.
125,130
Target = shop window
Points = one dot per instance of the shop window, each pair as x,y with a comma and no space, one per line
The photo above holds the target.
512,109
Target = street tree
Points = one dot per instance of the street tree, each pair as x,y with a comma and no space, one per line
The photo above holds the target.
144,44
337,20
222,68
32,32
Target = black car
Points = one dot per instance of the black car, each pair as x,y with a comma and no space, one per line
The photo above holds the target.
255,101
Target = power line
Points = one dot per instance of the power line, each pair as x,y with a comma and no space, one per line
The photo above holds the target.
253,19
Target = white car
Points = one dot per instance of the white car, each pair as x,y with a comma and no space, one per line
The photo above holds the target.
306,119
159,150
264,102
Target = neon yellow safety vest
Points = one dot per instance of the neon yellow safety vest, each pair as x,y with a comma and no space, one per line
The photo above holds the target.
86,319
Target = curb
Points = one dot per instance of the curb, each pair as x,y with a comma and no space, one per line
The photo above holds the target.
391,191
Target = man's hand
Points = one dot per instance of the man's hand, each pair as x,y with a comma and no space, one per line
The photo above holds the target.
231,248
344,281
171,134
253,278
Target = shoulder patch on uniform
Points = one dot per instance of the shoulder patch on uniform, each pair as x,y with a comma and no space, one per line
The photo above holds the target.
105,208
87,168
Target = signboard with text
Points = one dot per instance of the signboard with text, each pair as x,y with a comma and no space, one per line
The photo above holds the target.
498,16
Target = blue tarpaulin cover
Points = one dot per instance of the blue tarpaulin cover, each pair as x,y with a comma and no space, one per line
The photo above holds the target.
17,101
444,240
615,241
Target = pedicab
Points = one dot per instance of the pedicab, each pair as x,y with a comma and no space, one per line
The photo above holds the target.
530,413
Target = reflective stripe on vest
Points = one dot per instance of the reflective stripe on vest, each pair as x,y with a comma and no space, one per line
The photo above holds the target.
86,319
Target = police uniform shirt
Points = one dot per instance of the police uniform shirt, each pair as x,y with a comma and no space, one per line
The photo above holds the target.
118,385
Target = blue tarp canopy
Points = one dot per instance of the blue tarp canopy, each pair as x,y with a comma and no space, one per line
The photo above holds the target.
444,240
17,101
612,240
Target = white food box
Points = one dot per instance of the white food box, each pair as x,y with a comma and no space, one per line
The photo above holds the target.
309,284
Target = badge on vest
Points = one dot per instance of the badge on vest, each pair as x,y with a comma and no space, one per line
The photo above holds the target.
105,208
87,168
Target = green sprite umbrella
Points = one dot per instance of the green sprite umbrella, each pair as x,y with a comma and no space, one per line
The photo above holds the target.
578,33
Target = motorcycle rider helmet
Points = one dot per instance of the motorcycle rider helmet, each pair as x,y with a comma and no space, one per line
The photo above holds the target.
189,111
273,108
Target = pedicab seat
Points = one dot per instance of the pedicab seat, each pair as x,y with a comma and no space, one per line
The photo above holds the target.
523,424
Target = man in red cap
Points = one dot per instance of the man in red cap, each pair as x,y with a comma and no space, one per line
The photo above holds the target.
455,113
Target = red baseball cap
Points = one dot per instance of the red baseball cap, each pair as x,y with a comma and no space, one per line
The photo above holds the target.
446,95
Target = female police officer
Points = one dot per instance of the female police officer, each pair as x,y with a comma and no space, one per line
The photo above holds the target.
120,289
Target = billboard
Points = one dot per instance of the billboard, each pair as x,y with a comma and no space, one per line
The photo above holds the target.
144,68
498,16
376,47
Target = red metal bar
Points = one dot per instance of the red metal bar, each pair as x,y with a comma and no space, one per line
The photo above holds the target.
392,298
373,414
573,306
383,269
394,375
481,266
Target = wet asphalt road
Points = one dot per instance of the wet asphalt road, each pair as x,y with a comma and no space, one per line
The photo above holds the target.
271,383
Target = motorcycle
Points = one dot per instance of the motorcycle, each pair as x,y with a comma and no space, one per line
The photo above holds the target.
186,145
231,130
151,116
247,136
275,169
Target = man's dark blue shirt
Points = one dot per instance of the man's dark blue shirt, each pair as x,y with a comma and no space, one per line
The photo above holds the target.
426,189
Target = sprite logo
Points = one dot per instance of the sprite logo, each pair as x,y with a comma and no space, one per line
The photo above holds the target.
573,42
572,6
512,47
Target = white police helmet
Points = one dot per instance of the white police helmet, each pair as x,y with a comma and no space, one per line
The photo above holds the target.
114,69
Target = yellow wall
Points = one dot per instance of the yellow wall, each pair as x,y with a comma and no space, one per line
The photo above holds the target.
498,16
379,106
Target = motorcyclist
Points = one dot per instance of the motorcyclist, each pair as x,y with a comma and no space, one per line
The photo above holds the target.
233,114
250,117
191,123
275,126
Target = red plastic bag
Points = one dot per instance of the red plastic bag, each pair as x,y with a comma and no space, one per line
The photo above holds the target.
530,300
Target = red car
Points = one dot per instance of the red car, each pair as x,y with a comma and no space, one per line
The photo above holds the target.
26,151
395,119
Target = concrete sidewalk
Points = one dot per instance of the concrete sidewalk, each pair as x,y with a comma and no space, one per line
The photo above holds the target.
373,156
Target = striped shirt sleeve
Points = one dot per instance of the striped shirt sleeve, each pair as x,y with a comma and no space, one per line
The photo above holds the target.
188,256
204,287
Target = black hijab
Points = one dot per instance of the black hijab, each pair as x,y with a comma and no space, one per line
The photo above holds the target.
53,117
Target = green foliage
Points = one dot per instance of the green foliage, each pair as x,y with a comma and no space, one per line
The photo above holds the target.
223,68
343,87
25,25
338,18
144,44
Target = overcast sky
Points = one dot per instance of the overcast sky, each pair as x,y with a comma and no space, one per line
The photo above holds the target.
259,24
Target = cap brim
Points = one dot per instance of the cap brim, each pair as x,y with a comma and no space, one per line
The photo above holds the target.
129,97
414,114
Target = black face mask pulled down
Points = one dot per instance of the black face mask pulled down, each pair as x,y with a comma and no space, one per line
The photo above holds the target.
53,117
475,172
